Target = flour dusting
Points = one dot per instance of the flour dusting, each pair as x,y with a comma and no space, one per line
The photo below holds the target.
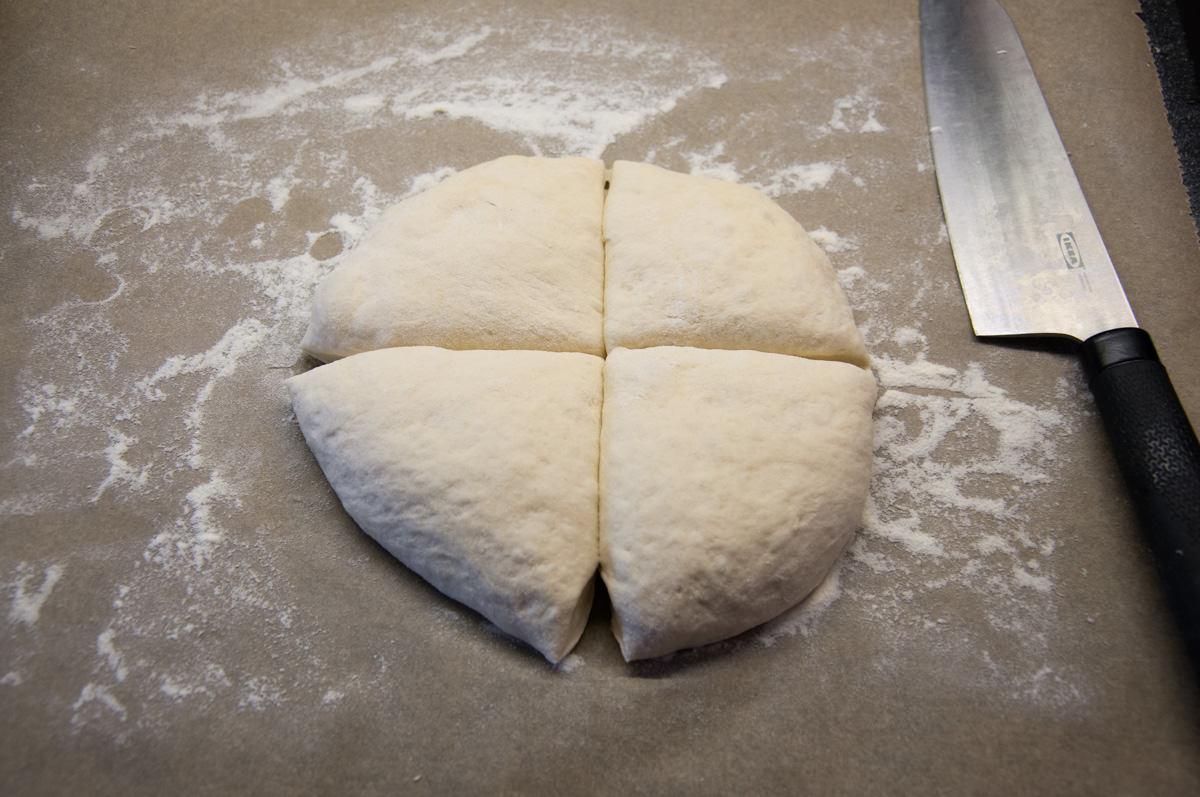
854,112
27,600
831,241
209,219
774,182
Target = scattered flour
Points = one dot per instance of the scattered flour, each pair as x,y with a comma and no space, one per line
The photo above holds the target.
26,605
854,112
775,182
570,663
832,242
95,702
364,103
805,618
108,652
120,419
712,162
800,177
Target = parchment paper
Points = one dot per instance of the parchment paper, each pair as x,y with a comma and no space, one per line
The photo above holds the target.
189,610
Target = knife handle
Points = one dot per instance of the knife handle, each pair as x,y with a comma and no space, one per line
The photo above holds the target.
1159,457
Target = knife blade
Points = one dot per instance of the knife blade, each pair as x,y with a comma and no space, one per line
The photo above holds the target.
1031,262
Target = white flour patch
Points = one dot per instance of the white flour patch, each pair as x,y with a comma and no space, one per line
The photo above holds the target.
799,177
832,242
856,112
120,472
96,702
27,599
791,179
804,618
262,693
453,49
111,656
712,162
570,663
364,103
564,88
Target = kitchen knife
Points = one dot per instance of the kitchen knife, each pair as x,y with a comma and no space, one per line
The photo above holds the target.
1031,262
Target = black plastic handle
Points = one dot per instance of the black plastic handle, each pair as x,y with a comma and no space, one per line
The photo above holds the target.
1159,457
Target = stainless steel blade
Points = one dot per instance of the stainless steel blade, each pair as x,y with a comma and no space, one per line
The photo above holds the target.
1029,256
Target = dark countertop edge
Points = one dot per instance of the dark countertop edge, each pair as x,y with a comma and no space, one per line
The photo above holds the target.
1173,28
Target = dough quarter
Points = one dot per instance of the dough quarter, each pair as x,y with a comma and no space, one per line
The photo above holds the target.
477,469
696,261
729,483
504,255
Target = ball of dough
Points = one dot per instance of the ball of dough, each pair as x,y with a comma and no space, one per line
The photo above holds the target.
731,460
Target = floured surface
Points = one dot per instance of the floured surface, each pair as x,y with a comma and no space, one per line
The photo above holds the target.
178,578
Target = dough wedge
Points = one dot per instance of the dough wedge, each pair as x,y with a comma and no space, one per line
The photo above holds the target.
476,469
695,261
729,483
504,255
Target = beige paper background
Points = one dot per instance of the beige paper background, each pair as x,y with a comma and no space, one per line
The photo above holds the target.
188,609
